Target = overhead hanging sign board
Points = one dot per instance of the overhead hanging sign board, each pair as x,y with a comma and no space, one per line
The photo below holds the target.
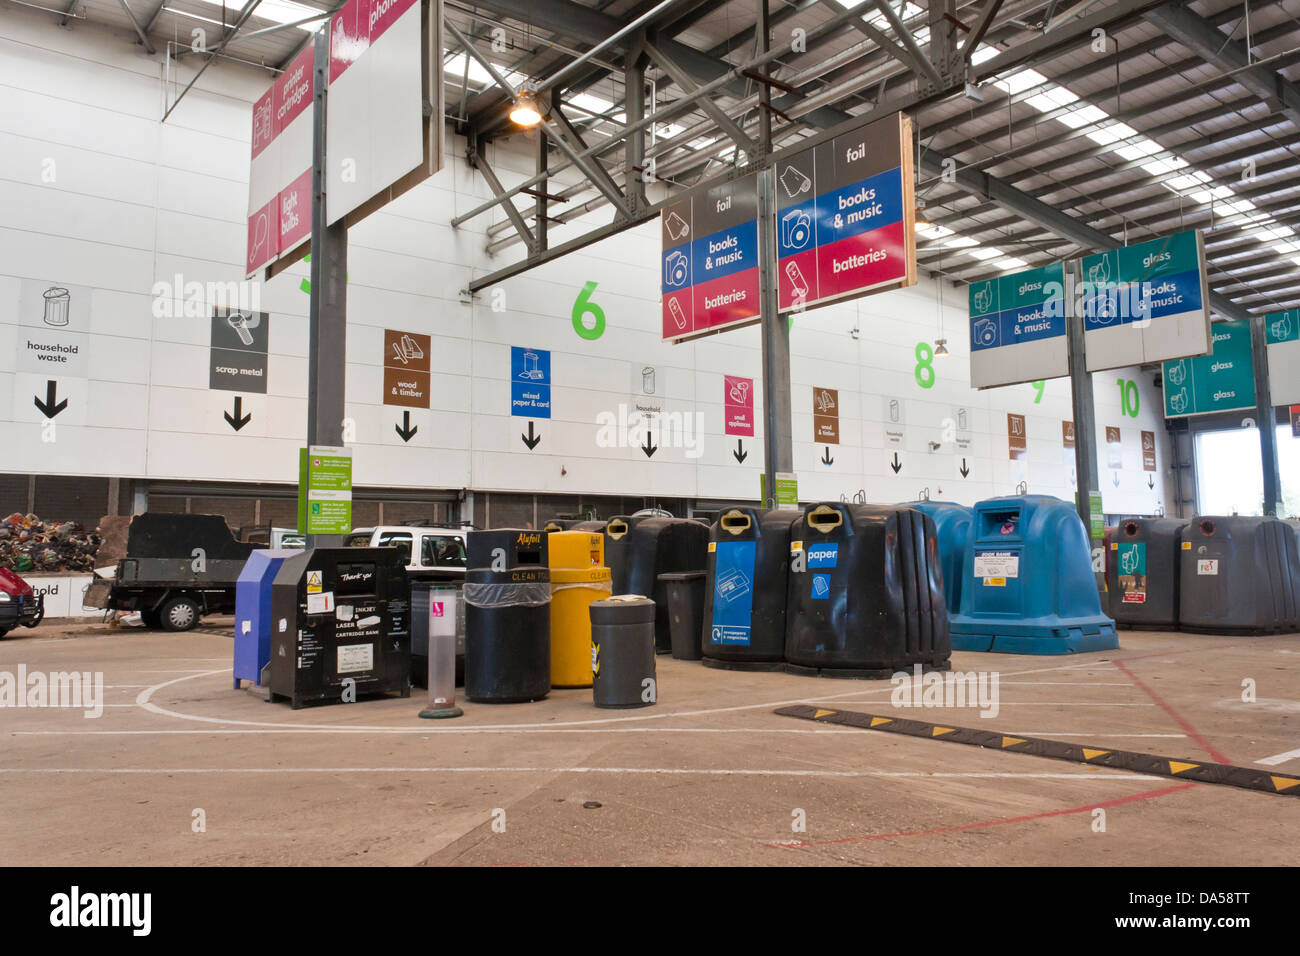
1222,381
1282,335
383,135
279,180
846,211
1017,328
1146,303
385,64
709,279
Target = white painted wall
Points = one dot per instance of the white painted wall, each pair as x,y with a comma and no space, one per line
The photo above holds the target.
134,201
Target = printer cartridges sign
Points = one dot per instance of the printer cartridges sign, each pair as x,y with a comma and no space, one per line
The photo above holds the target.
1146,303
1222,381
709,278
844,217
1017,327
324,490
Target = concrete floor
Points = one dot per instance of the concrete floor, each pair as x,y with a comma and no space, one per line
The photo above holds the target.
708,776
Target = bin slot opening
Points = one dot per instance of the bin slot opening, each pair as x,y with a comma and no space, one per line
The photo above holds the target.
1000,524
616,529
824,519
735,522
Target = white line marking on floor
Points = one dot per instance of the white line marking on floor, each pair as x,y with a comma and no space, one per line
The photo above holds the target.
1276,759
1095,775
444,730
1018,703
143,700
1067,683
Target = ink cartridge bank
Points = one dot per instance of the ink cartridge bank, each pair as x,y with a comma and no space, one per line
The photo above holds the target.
1028,586
745,596
340,622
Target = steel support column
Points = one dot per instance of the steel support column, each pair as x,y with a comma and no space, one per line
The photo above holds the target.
327,324
1265,418
1085,415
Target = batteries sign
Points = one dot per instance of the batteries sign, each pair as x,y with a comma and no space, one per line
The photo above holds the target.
1222,381
1017,327
709,278
1146,303
845,211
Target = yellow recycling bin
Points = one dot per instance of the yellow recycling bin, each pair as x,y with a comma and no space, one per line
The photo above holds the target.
578,578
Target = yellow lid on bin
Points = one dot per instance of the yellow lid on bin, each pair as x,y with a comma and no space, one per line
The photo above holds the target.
576,549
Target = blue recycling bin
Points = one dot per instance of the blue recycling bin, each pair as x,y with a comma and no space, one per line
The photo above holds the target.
253,613
1028,585
952,523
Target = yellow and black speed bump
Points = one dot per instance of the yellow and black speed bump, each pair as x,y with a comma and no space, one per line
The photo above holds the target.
1195,770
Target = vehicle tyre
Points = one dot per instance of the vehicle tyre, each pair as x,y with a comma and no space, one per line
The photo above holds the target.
3,632
180,613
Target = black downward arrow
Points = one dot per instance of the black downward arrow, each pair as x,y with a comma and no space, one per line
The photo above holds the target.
405,430
648,448
531,439
896,464
1116,480
740,454
50,407
239,419
1151,482
964,470
827,460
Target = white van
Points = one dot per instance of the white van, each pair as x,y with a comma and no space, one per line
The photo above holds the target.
436,553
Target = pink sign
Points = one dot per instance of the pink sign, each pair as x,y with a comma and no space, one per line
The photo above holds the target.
738,405
435,608
359,24
295,212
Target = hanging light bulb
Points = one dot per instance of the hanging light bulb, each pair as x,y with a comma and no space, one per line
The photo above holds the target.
524,111
940,346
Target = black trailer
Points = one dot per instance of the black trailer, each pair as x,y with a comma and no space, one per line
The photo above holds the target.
177,568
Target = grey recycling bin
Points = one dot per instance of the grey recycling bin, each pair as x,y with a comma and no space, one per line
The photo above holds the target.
623,652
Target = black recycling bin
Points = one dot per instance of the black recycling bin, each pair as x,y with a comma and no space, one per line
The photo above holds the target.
865,593
655,546
685,591
340,626
623,652
1142,572
617,531
745,597
504,548
1239,575
507,635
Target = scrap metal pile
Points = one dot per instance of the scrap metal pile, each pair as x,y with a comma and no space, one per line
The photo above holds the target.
29,544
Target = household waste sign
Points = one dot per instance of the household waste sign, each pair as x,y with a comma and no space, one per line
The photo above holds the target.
845,211
1017,327
709,267
324,490
1146,303
733,592
1222,381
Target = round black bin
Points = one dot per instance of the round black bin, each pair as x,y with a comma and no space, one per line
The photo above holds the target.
507,635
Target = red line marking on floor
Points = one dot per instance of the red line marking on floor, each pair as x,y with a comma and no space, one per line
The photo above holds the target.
1087,808
1178,718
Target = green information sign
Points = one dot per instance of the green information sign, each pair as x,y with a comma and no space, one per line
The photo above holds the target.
787,489
324,490
1132,558
1222,381
1098,529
